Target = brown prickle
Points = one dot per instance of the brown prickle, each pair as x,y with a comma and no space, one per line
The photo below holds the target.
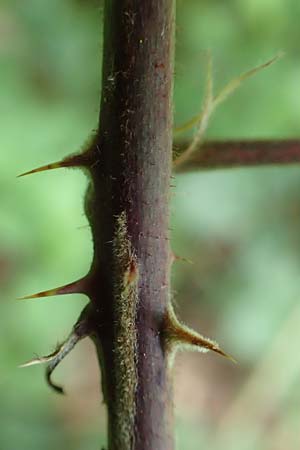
76,287
226,355
178,336
77,160
51,166
175,258
190,338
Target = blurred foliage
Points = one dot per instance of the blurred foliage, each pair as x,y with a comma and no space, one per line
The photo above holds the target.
240,227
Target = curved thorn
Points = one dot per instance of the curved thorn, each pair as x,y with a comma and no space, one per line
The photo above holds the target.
76,287
81,329
52,385
178,335
39,360
61,353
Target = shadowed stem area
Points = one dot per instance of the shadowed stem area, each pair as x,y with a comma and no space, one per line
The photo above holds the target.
247,153
128,210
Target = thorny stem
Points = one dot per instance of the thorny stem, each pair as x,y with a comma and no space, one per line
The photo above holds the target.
128,211
130,317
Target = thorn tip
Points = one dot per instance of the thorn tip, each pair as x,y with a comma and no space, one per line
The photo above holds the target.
77,160
76,287
178,335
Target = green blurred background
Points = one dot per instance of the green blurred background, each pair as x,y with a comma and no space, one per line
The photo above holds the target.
239,227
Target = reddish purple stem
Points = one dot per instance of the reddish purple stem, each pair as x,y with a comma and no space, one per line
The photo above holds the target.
248,153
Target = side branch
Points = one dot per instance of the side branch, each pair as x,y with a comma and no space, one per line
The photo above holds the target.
230,154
